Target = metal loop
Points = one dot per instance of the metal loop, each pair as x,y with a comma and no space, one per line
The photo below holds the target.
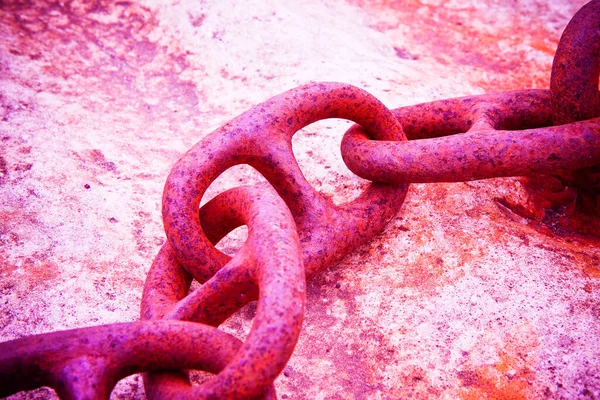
575,97
475,148
576,68
269,264
86,363
261,137
291,232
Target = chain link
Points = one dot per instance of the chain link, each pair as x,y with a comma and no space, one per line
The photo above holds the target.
294,232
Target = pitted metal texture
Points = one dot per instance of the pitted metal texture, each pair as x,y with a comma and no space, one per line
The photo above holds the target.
294,232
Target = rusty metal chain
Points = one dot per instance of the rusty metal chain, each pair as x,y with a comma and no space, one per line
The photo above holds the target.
294,232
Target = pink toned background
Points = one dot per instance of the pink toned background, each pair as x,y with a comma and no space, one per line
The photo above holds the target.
458,298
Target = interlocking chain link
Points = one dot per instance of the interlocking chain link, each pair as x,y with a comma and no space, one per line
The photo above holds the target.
574,88
491,147
261,138
294,232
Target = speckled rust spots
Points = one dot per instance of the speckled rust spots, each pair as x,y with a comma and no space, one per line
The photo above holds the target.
569,200
287,236
468,35
97,47
269,263
261,138
503,134
576,68
294,232
506,375
69,361
526,133
575,97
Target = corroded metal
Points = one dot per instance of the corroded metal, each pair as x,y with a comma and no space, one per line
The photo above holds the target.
86,363
552,137
291,234
503,134
576,68
293,231
261,138
268,266
575,97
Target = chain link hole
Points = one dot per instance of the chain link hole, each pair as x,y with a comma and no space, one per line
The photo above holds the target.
238,175
197,378
233,241
317,150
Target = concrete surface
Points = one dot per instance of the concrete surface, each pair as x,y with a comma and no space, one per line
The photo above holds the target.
458,298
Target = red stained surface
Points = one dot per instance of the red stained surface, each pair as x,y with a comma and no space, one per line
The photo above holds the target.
458,297
500,38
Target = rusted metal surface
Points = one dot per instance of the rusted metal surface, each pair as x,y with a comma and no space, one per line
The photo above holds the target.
576,68
77,366
505,134
575,97
526,133
86,363
571,196
262,139
268,266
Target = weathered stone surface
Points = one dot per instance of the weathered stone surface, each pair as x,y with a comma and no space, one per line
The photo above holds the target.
458,298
